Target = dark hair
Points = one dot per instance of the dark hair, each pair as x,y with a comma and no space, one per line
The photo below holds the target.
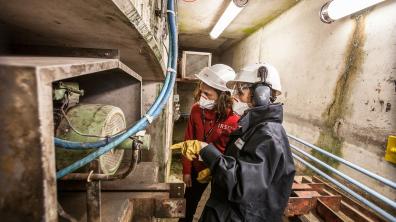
223,104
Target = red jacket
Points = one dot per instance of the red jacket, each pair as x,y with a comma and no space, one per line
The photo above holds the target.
218,136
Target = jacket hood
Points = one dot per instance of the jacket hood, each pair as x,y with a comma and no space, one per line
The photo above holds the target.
260,114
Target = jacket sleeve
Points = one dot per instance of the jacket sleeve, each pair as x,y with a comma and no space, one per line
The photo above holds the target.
245,178
189,135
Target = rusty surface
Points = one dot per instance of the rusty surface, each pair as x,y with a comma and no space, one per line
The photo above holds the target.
314,200
26,138
94,197
352,203
176,190
317,187
301,186
127,211
327,213
299,206
146,209
307,194
332,202
143,209
28,191
353,213
119,175
170,208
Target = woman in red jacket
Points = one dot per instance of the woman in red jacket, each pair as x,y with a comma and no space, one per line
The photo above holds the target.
211,121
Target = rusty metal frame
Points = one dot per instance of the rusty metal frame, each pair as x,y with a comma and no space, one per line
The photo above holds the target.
145,209
94,196
315,197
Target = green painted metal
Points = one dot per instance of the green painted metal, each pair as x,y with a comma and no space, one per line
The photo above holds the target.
92,119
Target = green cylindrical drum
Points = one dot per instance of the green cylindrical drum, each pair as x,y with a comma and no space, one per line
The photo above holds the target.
90,119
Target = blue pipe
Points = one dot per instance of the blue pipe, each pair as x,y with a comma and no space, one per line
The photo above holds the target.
143,122
348,178
351,165
90,145
371,205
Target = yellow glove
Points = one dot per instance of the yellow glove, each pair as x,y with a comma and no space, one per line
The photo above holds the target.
189,148
204,176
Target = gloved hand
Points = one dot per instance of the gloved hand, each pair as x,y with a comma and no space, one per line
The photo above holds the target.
204,176
189,148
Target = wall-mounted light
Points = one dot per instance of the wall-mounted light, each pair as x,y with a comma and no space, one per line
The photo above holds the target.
231,12
337,9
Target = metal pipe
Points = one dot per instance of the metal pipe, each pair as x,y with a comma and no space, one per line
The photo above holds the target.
371,205
348,178
107,177
143,122
349,164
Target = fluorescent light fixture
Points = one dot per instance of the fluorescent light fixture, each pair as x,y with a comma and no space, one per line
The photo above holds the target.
226,18
337,9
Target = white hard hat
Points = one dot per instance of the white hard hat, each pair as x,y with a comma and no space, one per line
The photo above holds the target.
217,76
249,74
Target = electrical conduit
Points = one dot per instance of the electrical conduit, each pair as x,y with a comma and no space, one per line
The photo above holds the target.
349,164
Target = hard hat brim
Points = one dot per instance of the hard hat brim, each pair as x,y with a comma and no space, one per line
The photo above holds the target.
211,84
231,84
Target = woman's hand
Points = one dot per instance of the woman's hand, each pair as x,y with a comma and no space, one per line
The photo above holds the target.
187,180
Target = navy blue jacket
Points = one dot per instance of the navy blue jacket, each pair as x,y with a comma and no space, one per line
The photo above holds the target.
252,180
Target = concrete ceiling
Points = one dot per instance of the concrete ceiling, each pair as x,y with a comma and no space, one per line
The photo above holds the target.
197,18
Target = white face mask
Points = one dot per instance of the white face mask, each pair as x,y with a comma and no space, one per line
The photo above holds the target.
239,107
206,103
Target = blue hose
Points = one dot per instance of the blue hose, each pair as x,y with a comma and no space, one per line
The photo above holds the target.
143,122
153,109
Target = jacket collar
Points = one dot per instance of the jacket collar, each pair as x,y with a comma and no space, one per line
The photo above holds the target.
212,115
260,114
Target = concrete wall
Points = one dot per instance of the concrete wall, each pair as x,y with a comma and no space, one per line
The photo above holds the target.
338,80
160,130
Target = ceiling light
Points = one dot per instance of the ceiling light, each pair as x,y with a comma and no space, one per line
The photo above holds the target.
337,9
232,10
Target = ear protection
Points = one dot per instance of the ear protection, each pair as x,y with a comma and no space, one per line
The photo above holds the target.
262,90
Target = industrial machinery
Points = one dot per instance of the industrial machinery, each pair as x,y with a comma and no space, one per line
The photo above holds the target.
68,83
86,123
